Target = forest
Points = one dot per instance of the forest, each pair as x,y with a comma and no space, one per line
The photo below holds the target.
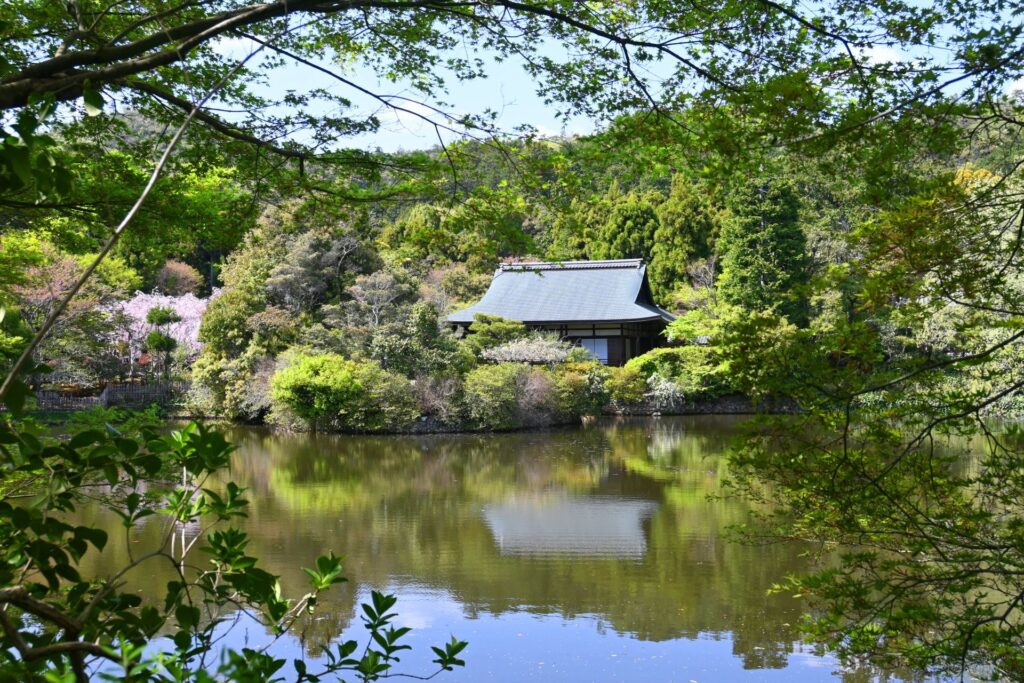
312,295
307,300
827,198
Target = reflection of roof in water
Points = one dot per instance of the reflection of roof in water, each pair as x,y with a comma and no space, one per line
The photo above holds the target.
602,527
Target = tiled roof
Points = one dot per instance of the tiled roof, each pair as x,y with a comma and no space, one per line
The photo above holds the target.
569,291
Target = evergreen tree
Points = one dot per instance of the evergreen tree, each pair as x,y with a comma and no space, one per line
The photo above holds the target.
763,251
576,234
628,232
688,223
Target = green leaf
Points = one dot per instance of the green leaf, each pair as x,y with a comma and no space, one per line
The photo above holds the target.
150,620
98,537
15,398
187,616
83,439
93,101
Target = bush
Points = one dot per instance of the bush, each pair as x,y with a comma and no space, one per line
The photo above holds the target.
581,388
535,349
488,331
694,369
536,397
625,386
490,396
440,397
328,392
510,395
177,278
664,394
236,389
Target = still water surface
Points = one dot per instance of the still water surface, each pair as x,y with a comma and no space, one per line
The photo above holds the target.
590,554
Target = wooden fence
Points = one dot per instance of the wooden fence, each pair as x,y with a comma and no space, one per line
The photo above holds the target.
143,395
113,396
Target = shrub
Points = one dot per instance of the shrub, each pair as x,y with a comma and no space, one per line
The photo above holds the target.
236,388
536,396
535,349
440,396
491,396
664,394
695,369
326,391
176,278
664,361
317,388
509,395
625,386
581,388
488,331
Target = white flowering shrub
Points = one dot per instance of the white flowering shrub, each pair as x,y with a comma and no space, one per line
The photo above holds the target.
535,349
664,393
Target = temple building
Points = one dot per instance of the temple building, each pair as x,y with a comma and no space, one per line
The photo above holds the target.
604,306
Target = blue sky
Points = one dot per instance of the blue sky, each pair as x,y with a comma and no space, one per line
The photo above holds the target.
508,90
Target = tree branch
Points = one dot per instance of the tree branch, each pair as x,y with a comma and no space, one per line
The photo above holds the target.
214,122
51,319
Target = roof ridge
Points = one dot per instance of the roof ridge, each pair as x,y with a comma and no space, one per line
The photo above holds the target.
573,265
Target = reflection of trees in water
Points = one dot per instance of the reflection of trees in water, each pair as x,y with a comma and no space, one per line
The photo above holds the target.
330,472
412,507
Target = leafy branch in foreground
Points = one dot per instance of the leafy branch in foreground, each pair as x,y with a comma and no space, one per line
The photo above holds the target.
900,461
55,620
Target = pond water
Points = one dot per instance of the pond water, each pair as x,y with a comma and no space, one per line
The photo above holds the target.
585,554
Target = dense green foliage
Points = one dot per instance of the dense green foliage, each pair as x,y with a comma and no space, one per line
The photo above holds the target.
492,394
628,232
511,395
695,369
625,386
688,226
763,251
828,194
489,331
329,392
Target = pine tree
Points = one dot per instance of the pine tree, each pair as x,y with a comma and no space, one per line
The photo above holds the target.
763,251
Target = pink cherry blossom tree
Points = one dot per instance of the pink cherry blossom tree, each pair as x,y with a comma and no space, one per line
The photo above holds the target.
131,326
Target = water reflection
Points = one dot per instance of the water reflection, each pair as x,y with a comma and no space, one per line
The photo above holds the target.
584,554
583,525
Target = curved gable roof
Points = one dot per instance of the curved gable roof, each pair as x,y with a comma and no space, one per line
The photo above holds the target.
571,291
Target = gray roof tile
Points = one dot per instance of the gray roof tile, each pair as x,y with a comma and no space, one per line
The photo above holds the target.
569,291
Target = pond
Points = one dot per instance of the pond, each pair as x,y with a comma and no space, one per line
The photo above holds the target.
585,554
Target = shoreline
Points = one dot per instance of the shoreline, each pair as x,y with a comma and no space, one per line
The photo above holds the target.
729,405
